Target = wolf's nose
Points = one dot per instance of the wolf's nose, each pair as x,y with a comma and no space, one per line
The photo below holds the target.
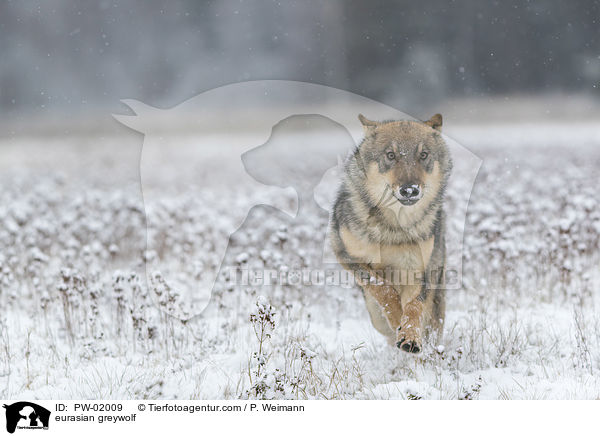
409,191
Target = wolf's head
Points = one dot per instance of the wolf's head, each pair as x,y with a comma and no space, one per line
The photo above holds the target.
403,164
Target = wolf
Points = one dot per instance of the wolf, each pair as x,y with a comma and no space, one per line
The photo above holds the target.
388,226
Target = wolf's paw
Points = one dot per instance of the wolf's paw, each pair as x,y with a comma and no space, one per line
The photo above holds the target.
409,339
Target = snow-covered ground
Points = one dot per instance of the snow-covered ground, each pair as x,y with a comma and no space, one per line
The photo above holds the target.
79,319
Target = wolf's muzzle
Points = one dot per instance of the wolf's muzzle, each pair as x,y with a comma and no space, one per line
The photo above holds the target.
408,194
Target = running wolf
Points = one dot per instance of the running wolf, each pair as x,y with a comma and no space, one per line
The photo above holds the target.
388,226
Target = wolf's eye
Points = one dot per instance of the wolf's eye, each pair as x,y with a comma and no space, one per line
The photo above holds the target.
423,155
391,155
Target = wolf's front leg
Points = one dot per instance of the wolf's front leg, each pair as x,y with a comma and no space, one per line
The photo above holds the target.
389,300
410,330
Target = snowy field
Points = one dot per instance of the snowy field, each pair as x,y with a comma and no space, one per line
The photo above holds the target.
81,321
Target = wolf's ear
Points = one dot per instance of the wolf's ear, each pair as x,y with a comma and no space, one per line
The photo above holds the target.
367,123
435,122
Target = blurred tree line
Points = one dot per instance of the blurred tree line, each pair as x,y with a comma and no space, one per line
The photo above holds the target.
79,55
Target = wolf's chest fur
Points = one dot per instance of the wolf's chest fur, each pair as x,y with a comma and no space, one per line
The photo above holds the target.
412,256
